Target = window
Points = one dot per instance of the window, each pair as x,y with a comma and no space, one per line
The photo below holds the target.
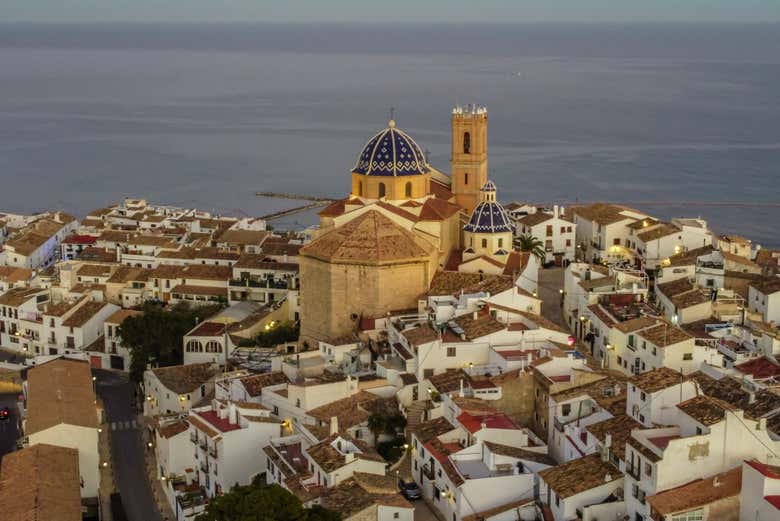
615,242
395,515
693,515
568,242
500,243
466,182
360,188
688,356
484,243
193,346
381,190
648,469
451,351
212,346
642,396
549,230
548,245
563,229
408,190
566,409
466,143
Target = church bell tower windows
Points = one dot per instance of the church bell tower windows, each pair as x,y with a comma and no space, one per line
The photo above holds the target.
408,189
467,143
381,190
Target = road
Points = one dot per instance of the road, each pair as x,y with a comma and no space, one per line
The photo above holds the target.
127,450
9,429
550,284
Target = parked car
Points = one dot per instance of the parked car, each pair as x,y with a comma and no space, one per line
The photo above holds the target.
5,414
409,489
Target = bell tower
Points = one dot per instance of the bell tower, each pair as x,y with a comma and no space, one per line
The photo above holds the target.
469,154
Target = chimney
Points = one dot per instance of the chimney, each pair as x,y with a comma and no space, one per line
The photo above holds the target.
752,397
475,315
461,389
716,481
608,440
761,424
483,425
334,425
607,477
555,211
232,414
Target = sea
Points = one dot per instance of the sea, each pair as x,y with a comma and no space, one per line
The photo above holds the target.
679,120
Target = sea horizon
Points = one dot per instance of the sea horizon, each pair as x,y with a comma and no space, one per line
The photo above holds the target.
682,117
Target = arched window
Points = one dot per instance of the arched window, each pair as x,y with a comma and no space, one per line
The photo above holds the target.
408,189
360,188
193,346
466,143
381,190
484,243
212,346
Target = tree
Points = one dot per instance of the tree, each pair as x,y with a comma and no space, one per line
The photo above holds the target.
532,245
278,334
157,334
258,503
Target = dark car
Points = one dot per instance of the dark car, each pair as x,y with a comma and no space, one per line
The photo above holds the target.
409,490
5,414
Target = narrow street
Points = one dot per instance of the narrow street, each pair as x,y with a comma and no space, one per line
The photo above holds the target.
550,284
9,429
127,450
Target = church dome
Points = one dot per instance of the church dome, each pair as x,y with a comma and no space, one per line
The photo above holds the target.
391,152
489,216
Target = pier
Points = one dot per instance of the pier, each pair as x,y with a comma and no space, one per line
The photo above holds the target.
314,202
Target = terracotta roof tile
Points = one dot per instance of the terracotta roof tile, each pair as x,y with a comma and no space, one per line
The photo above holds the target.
41,483
60,391
698,493
580,475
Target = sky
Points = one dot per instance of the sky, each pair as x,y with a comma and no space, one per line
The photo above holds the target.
377,11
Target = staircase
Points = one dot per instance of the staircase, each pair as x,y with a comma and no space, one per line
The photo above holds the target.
415,414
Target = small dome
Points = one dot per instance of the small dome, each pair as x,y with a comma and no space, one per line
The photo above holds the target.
391,152
489,216
490,186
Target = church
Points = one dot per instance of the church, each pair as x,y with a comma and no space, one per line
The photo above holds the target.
377,250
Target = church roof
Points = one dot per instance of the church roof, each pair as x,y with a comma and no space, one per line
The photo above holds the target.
489,217
371,237
391,152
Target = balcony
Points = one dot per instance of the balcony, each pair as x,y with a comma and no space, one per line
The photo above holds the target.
428,472
633,471
262,283
213,452
204,444
193,437
204,466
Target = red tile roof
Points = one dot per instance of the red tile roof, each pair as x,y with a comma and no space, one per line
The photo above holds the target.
473,423
769,471
221,424
759,368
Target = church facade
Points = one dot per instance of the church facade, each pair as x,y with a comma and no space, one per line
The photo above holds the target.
377,250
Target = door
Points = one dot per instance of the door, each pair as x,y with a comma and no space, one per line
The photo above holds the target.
96,361
415,394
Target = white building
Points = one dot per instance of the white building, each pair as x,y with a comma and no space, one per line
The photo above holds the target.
61,410
764,299
226,439
177,388
554,229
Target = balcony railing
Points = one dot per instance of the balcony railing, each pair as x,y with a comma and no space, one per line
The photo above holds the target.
204,444
204,466
213,452
428,471
193,438
268,283
633,471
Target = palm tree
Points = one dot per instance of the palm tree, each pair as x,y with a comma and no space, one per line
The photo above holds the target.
532,245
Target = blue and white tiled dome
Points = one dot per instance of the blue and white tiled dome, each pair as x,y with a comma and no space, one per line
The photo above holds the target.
391,152
489,216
